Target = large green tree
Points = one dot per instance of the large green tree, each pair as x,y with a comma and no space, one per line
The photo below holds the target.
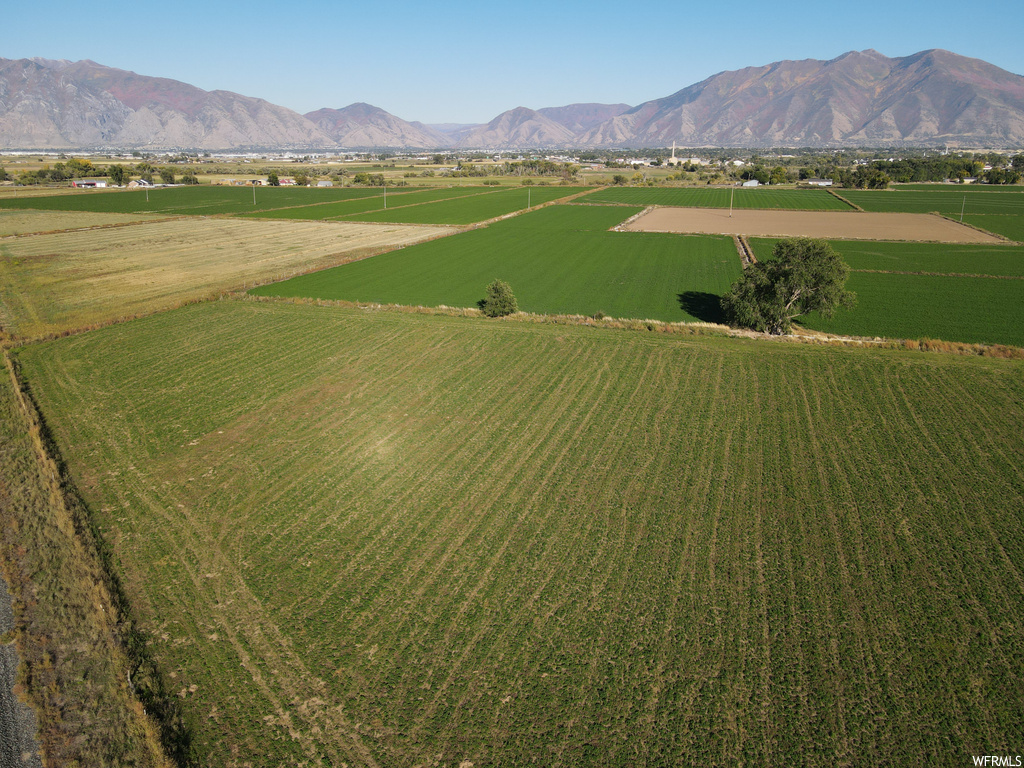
119,175
803,275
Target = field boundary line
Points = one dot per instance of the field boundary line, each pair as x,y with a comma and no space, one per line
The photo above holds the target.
746,252
411,190
513,214
1007,351
936,274
1004,238
840,197
165,725
620,227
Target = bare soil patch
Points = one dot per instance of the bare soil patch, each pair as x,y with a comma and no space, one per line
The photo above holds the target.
842,225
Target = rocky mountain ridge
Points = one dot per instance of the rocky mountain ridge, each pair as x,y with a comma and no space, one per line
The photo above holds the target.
858,99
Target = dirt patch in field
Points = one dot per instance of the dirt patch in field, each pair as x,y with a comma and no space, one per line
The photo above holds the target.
840,225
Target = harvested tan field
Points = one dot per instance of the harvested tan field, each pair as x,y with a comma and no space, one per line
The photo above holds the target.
55,282
15,222
840,225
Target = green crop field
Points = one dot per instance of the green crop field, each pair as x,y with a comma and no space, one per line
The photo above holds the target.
949,259
700,197
375,538
948,200
343,208
984,310
470,209
966,293
561,259
187,201
1008,225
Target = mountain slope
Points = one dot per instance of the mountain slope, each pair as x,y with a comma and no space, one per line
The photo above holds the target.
858,98
364,125
63,104
519,128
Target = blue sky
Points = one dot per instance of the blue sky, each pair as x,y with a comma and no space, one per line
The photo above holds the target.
466,61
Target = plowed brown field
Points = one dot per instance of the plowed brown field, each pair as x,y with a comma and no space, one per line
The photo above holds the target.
841,225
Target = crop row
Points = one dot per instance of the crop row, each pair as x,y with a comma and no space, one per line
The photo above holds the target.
435,539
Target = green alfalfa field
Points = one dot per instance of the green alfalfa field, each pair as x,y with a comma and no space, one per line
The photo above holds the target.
964,293
563,259
380,538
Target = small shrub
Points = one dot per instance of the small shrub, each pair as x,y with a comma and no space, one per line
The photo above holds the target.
500,300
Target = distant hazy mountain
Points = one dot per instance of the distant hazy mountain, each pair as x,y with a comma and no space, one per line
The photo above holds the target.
519,128
581,117
858,98
364,125
63,104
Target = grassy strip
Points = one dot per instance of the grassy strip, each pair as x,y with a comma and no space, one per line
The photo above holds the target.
85,668
512,544
559,260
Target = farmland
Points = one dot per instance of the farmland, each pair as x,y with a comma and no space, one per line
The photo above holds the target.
396,539
719,197
847,225
944,199
303,202
186,201
468,210
55,282
340,209
966,293
18,222
561,259
362,536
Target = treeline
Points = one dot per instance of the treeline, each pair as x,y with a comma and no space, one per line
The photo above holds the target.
533,167
992,168
83,169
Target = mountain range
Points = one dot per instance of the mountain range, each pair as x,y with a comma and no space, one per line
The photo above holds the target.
861,98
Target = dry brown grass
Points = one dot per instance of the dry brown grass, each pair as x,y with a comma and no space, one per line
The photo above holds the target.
54,282
17,222
72,634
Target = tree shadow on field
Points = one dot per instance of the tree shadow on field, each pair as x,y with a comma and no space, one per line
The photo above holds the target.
706,307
